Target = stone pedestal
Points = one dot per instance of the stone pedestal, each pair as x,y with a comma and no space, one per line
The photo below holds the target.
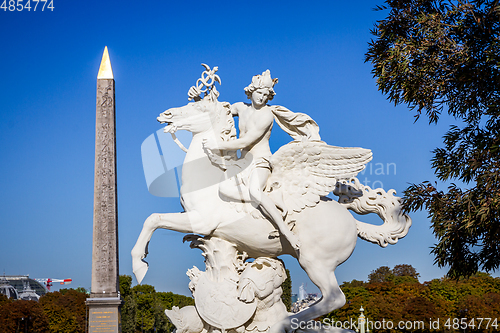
104,314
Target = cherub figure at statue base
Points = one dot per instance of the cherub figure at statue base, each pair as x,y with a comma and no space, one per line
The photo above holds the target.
304,172
232,294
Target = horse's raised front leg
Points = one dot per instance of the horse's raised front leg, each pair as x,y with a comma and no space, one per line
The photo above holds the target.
182,222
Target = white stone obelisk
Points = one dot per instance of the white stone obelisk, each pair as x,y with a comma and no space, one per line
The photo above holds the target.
104,302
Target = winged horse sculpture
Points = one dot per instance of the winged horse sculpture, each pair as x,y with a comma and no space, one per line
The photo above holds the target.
304,173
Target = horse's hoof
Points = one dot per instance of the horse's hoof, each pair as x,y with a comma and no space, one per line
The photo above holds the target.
140,268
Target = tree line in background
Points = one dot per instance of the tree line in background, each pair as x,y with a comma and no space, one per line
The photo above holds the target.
64,311
397,295
56,312
390,294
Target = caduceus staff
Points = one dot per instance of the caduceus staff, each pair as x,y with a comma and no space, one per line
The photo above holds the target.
206,85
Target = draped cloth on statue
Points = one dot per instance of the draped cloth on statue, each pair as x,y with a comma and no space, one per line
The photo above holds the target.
298,125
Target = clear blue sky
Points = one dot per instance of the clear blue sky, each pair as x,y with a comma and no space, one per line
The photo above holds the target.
49,63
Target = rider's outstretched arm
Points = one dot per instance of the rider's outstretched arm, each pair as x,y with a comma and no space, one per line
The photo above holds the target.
255,131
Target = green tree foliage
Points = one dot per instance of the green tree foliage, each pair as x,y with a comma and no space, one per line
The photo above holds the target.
4,299
397,300
82,290
144,295
444,56
65,310
381,274
419,308
286,286
129,307
23,316
144,308
79,290
128,314
405,270
125,282
353,283
57,312
167,300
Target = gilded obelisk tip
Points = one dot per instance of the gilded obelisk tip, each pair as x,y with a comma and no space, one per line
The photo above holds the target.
105,70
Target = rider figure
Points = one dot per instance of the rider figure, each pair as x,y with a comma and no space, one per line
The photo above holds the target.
255,124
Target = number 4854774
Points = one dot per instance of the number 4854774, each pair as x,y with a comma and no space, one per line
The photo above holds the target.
20,5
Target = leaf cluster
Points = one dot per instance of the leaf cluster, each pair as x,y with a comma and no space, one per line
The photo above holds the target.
286,287
65,310
444,56
432,54
144,308
23,316
56,312
400,273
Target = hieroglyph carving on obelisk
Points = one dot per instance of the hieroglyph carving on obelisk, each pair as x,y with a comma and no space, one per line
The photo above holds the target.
105,240
104,300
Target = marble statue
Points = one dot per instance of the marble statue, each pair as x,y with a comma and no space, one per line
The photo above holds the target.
245,206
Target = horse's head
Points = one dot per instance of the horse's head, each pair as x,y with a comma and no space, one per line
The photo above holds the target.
201,116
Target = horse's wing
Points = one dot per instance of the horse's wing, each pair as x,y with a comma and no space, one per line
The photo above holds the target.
307,170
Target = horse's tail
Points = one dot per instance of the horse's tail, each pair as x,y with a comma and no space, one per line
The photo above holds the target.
363,200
